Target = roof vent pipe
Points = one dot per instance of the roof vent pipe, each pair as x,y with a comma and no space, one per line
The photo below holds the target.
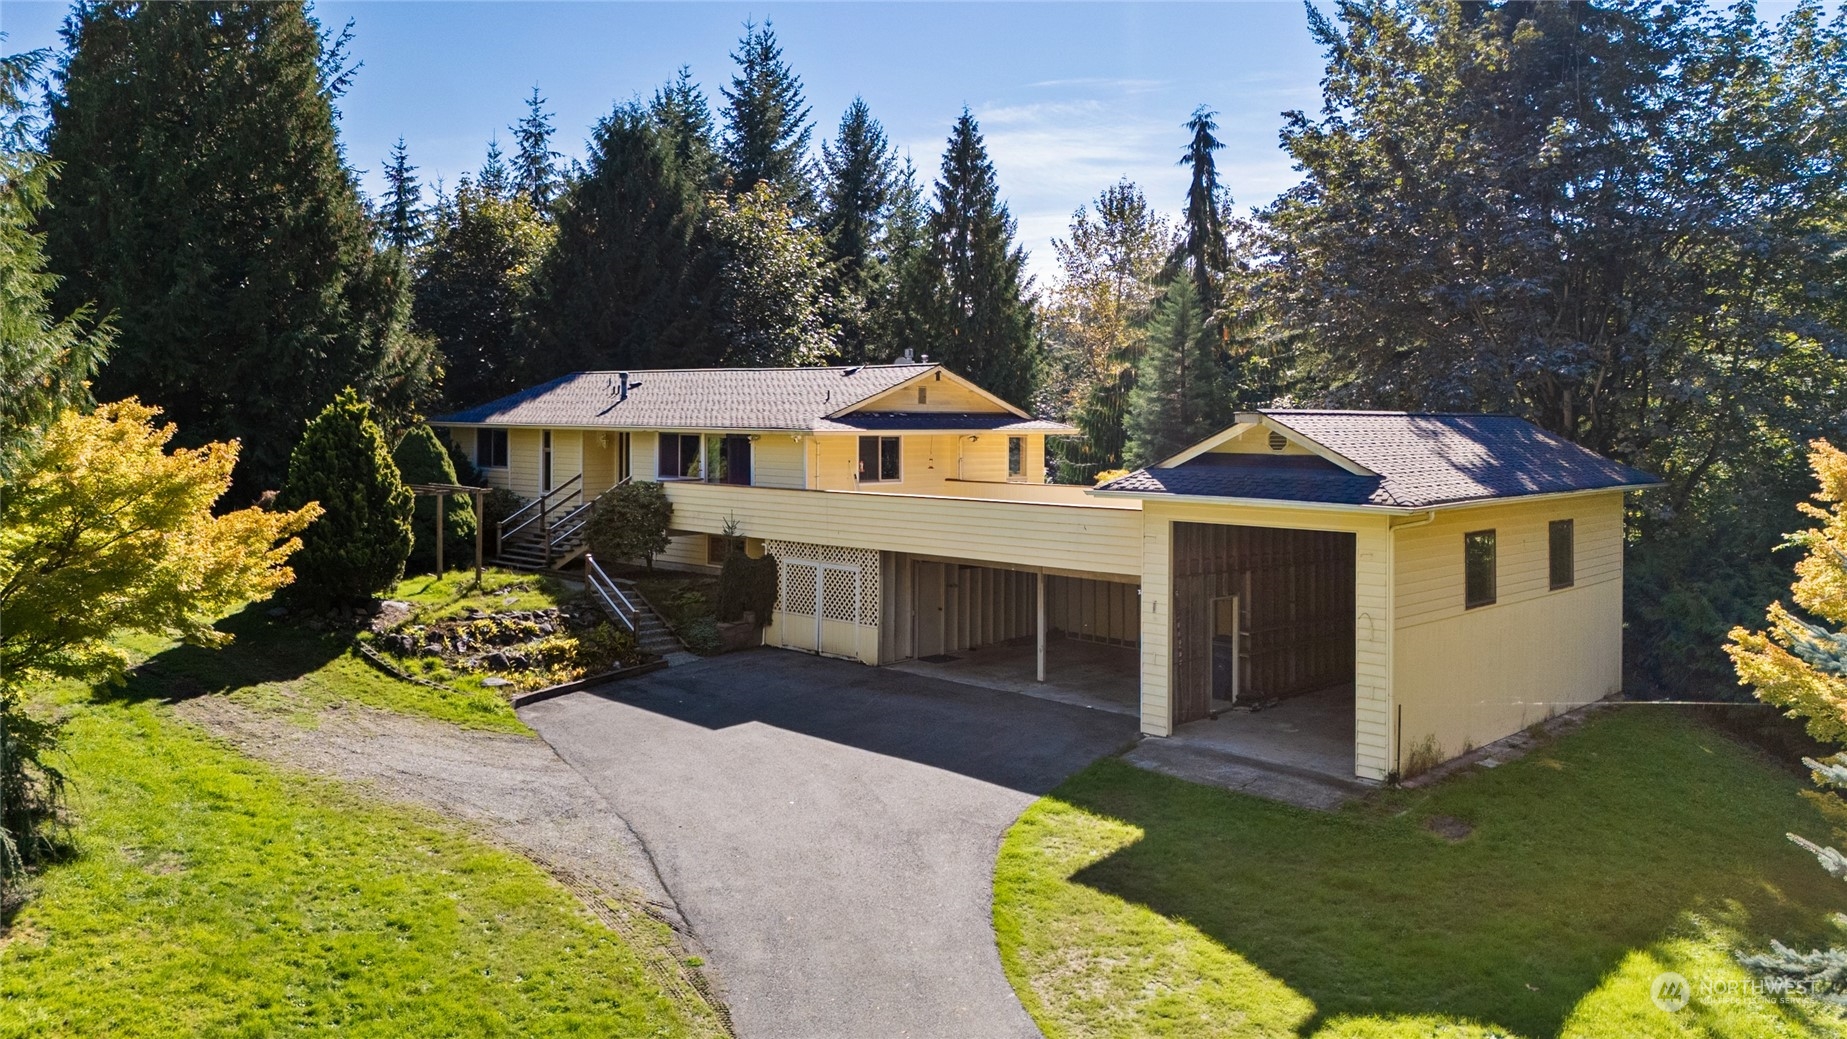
621,387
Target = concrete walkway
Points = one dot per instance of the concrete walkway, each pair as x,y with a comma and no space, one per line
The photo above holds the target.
829,830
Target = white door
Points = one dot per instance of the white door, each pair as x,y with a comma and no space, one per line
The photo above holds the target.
801,586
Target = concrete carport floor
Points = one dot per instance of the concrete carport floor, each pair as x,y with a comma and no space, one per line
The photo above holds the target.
829,830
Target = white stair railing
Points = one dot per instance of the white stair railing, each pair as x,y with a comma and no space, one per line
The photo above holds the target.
610,595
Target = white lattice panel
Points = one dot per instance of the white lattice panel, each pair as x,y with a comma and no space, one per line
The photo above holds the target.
837,592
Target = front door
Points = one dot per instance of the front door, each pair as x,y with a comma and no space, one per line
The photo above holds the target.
927,605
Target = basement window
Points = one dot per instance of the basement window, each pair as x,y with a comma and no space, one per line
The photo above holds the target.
879,460
1478,569
491,448
1561,539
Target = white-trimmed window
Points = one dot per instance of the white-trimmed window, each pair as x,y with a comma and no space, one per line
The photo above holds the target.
491,448
678,457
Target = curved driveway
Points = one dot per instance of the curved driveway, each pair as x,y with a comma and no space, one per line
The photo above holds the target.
829,829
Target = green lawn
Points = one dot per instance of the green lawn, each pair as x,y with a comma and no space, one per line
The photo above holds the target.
216,896
1131,904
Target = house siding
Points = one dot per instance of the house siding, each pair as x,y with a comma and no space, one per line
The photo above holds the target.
778,460
1466,677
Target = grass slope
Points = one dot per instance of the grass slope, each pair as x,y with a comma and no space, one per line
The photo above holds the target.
215,896
1132,904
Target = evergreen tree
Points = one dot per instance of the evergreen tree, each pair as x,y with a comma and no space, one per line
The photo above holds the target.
1203,248
860,173
470,281
626,283
898,317
1801,667
402,219
358,546
495,179
45,363
1180,395
978,321
205,204
535,164
1095,319
766,121
421,457
680,112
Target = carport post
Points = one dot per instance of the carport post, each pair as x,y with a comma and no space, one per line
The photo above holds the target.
1039,590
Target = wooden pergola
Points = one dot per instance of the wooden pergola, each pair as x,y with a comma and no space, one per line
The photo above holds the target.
443,490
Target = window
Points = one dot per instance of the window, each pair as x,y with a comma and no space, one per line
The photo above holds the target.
1016,458
878,460
678,458
733,460
491,448
718,548
923,394
1563,554
545,460
1478,569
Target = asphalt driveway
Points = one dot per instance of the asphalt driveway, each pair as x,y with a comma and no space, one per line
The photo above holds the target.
829,829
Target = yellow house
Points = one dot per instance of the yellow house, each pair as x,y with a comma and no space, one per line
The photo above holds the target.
1442,580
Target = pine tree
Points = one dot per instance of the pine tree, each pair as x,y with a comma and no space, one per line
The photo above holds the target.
495,179
766,121
358,546
535,164
1801,666
627,282
470,280
1180,395
860,170
204,202
402,220
46,363
899,316
979,320
422,457
680,112
1203,248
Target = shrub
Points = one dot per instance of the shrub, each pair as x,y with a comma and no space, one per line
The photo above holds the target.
747,584
421,459
631,523
359,545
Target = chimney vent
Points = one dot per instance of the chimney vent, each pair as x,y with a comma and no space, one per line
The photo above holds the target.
906,359
621,387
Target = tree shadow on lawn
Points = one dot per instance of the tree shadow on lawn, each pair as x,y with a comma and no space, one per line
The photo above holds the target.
263,650
1584,851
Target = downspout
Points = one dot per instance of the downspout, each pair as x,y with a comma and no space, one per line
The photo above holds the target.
1398,705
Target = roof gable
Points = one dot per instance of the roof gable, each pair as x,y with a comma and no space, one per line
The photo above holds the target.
1393,460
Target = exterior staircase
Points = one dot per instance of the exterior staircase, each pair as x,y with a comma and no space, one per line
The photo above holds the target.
623,602
549,532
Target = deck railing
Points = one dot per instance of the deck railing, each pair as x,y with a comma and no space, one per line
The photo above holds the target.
540,509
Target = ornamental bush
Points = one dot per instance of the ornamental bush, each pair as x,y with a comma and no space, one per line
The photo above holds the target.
631,523
358,547
421,458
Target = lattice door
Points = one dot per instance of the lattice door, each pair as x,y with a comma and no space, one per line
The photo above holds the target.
798,590
840,594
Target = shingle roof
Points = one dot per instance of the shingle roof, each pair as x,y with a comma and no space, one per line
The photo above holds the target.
1420,461
694,398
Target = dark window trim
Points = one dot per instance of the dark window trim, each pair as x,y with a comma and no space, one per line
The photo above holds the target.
495,457
1470,600
1570,560
876,445
679,455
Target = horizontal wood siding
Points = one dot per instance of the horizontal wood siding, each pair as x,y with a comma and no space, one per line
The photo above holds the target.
943,394
523,462
1087,538
1467,677
776,460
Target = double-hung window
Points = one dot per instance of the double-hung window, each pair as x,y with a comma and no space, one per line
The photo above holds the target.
879,460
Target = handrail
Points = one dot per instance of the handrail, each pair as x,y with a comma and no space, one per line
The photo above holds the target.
611,594
579,518
541,503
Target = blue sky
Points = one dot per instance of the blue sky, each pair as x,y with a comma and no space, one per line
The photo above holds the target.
1070,96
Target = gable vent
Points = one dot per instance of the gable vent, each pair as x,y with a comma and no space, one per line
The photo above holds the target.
1278,441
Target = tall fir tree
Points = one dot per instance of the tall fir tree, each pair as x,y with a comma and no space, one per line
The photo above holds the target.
979,320
860,172
1180,395
471,278
535,164
767,130
495,178
899,317
46,363
401,221
202,178
1095,319
1203,248
627,281
680,111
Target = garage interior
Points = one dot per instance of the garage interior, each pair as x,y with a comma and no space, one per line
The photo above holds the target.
1264,642
979,624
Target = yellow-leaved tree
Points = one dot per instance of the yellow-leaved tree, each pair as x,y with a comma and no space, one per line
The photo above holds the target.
1800,664
105,531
